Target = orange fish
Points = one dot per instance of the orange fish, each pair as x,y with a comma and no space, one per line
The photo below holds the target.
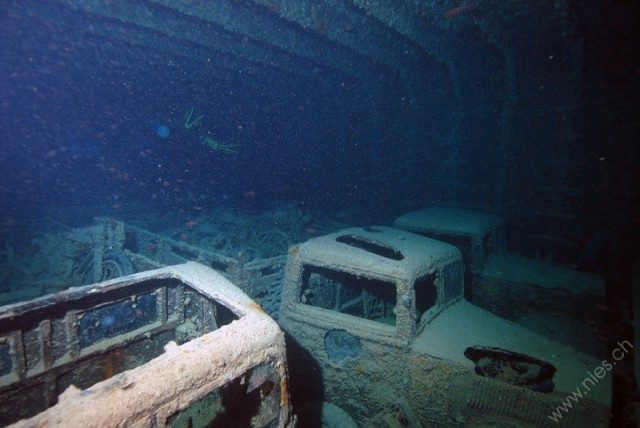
459,10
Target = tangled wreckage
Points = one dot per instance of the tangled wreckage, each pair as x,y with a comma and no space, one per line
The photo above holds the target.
170,334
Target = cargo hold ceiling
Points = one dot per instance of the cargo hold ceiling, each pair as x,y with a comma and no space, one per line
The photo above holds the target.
266,41
437,78
463,49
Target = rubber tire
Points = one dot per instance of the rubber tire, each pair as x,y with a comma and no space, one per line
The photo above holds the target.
119,263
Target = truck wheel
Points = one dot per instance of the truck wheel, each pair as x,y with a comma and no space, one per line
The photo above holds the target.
324,414
115,264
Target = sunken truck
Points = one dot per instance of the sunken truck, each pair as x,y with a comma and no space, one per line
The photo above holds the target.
378,328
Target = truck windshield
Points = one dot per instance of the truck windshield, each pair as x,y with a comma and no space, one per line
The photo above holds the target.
346,293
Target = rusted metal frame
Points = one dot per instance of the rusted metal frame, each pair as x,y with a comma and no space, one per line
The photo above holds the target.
167,245
19,356
198,380
62,365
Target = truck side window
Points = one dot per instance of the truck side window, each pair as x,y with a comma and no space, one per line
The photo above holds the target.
349,294
426,294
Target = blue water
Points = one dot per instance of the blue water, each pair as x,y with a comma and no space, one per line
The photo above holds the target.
88,120
93,106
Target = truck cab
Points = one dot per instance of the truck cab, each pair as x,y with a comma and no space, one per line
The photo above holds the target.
504,282
180,346
378,325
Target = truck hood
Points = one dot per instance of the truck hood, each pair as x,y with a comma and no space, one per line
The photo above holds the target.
464,325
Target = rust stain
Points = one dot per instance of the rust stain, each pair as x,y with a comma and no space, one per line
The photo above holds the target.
284,392
109,369
256,307
113,364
